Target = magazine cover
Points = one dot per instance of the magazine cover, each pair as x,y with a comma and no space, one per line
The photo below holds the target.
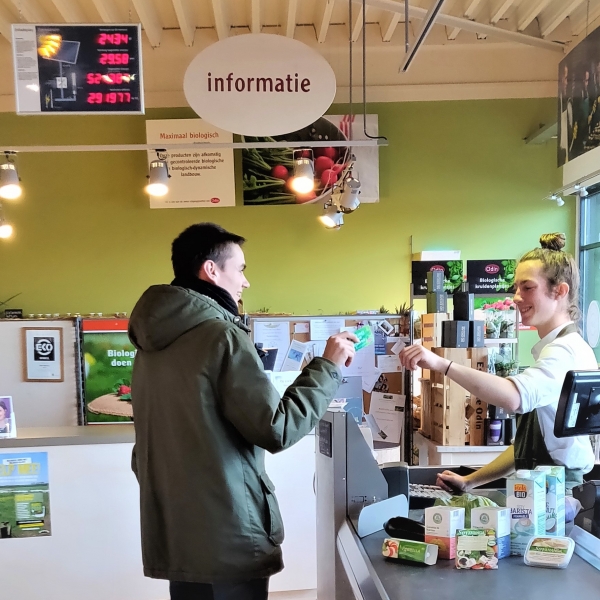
8,424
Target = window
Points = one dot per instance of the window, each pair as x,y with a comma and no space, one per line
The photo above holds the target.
589,264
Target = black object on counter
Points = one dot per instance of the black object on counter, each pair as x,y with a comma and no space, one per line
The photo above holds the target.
404,528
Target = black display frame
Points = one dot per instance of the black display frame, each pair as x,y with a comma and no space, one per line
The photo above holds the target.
578,411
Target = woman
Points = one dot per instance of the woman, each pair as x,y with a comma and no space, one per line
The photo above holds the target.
546,293
4,418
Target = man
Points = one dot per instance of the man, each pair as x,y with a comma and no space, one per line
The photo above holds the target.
205,411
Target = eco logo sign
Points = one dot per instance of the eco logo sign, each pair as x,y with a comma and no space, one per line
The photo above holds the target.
437,518
492,269
484,518
43,349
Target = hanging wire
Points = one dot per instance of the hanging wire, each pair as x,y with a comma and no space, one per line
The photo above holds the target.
364,75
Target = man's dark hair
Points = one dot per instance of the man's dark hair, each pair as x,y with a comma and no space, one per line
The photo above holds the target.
199,243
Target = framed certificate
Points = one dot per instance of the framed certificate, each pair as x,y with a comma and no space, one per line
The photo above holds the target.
43,354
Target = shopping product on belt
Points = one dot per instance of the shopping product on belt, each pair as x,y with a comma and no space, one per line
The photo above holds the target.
410,550
552,552
476,549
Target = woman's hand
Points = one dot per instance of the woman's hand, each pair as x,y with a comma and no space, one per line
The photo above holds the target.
415,356
451,482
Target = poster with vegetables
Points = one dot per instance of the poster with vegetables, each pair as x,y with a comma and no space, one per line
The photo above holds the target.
108,364
491,276
267,172
453,275
24,495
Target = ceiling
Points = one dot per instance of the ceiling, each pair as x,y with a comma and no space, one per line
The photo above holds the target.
476,49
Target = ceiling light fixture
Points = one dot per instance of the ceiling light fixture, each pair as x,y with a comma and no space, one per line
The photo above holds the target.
6,229
332,218
10,185
158,176
348,201
560,201
303,178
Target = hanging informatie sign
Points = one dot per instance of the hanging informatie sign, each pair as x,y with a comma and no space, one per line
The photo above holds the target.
108,364
24,495
259,84
453,275
200,176
77,69
490,277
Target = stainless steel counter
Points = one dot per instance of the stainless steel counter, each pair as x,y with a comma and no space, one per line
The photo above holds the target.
70,436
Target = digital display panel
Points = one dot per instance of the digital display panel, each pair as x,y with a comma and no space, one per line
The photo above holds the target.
78,69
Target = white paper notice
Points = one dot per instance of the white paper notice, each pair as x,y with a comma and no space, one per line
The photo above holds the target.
389,364
398,346
323,329
363,362
301,328
282,381
370,379
273,335
199,176
314,349
388,412
294,356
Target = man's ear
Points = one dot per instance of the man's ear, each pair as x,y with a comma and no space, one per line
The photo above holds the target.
208,271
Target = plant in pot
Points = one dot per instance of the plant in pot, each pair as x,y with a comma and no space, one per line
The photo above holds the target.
506,367
404,311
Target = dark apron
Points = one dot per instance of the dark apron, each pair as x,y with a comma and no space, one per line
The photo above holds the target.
530,447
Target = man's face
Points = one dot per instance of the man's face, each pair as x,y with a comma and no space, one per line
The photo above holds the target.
231,277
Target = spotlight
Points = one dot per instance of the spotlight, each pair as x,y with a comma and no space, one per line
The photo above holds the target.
6,229
583,192
349,201
303,178
10,188
560,201
158,184
332,218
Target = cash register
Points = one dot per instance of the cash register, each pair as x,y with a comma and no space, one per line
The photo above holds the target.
578,413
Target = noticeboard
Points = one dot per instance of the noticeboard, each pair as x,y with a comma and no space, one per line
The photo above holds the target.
78,69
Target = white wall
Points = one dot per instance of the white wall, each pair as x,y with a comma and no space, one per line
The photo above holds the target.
38,404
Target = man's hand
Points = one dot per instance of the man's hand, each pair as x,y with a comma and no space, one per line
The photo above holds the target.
415,356
340,348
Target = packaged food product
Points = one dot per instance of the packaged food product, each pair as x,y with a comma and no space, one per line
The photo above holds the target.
476,549
410,550
497,518
555,499
441,523
526,498
550,551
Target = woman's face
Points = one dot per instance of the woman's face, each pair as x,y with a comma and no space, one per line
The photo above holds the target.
2,413
537,304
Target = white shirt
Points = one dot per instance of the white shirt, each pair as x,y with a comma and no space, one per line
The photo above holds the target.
540,386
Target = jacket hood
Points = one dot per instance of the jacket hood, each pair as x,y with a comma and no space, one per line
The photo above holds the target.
166,312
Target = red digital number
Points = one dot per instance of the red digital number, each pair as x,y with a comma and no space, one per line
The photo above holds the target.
94,98
114,58
114,39
93,78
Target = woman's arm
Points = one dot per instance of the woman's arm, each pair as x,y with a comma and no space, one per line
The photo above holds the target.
489,388
501,466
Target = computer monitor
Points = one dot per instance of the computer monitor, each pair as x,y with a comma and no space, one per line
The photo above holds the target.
578,410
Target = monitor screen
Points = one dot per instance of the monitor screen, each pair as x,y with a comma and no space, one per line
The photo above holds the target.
578,410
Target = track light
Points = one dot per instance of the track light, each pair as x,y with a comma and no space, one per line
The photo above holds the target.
332,218
6,229
560,201
303,177
10,187
583,192
349,201
158,177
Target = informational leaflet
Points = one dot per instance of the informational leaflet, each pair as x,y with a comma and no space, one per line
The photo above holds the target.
200,176
322,329
370,379
282,381
273,334
363,363
387,410
389,363
24,495
294,356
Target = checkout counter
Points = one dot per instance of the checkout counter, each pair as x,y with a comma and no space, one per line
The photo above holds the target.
354,496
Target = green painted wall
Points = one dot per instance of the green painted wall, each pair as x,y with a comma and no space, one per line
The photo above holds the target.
455,175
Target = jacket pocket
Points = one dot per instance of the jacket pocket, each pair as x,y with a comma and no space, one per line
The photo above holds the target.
274,522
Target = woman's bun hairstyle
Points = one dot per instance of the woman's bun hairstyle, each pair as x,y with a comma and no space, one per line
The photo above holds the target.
553,241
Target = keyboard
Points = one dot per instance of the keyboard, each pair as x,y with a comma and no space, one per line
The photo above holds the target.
423,496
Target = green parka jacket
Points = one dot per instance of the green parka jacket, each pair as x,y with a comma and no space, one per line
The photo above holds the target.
204,413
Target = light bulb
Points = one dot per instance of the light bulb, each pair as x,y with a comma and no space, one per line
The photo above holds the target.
158,179
10,188
332,218
6,230
303,179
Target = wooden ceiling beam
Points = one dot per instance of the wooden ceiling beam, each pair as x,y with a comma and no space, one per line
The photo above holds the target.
70,11
255,14
388,24
500,9
290,18
31,11
150,21
529,11
108,11
323,19
221,25
186,20
558,14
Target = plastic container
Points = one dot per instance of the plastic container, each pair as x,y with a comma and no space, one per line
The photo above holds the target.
550,552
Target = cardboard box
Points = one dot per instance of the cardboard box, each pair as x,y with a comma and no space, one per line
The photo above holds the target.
555,499
435,281
464,306
476,334
441,525
437,302
455,334
431,329
425,408
497,518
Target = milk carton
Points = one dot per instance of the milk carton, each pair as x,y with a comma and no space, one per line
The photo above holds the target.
441,523
555,500
497,518
526,498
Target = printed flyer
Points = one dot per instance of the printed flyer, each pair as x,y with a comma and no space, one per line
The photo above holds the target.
24,495
108,364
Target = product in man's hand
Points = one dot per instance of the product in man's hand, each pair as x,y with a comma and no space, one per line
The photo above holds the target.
410,550
441,524
551,552
476,549
365,337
